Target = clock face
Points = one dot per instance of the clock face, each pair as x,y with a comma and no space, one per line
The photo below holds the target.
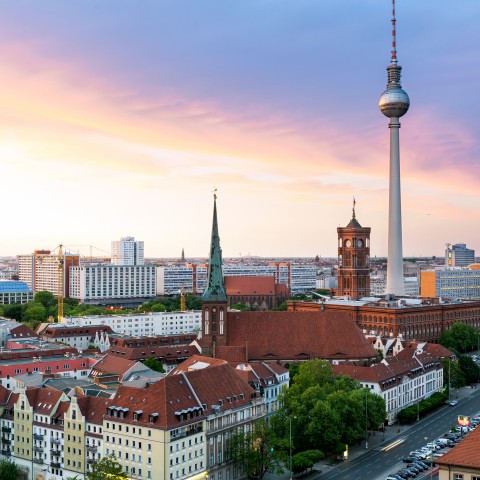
360,243
348,243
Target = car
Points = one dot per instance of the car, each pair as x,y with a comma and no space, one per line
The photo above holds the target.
418,466
433,446
406,473
411,459
424,464
452,403
414,469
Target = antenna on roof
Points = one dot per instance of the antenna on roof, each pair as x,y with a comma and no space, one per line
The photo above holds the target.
394,35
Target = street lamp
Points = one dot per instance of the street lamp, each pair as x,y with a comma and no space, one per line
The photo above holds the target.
366,418
291,471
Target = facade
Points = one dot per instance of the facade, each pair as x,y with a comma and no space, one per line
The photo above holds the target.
49,435
14,292
378,286
453,283
459,255
353,260
299,278
410,319
128,251
80,338
402,380
40,271
106,284
143,324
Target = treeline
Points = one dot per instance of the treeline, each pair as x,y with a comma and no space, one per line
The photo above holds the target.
45,306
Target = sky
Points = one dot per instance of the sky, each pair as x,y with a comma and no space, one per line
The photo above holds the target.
119,118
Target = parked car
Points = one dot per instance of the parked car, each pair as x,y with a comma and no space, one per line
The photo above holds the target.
406,473
411,459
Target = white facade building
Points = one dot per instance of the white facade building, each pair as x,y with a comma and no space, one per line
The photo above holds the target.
143,324
378,286
298,278
101,283
128,251
454,283
459,255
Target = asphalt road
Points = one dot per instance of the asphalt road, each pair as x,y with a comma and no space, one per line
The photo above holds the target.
377,464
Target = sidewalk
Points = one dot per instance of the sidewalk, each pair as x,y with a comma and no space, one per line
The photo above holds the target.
375,440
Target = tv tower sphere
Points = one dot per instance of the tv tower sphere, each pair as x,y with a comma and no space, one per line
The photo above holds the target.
394,102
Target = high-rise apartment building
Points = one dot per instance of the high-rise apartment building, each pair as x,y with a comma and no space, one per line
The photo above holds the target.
459,255
128,251
101,284
40,270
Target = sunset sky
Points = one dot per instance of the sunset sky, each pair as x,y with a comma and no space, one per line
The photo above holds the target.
119,117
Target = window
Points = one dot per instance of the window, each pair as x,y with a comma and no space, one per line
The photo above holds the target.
458,476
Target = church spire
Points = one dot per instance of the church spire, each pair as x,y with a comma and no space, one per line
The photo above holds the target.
215,291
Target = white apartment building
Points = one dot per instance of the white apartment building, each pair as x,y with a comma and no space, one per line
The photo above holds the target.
102,283
396,381
378,285
453,283
128,251
39,271
143,324
298,278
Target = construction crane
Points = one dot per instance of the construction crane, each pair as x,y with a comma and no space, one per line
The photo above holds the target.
183,301
61,260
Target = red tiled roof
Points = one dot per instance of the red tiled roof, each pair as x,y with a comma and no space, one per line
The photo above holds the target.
111,364
232,353
22,331
179,392
190,363
93,408
62,332
297,335
157,351
43,400
250,285
465,454
4,395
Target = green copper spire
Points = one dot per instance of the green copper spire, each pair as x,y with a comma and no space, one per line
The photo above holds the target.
215,291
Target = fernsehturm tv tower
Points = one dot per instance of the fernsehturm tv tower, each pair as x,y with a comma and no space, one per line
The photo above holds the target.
394,103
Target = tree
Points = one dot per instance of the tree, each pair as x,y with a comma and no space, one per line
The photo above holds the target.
14,311
154,364
258,451
107,465
304,460
9,470
460,337
469,368
240,306
47,299
35,313
452,374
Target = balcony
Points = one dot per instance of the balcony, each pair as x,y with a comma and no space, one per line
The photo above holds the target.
90,461
56,441
37,436
38,460
91,448
6,429
38,449
55,464
55,452
6,441
6,452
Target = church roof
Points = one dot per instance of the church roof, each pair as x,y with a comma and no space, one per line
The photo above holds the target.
354,223
295,335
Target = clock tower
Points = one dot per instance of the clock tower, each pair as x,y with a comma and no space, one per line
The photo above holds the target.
353,259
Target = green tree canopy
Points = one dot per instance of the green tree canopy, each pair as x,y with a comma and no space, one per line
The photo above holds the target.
9,470
107,465
461,337
47,299
452,374
154,364
326,412
469,368
258,451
